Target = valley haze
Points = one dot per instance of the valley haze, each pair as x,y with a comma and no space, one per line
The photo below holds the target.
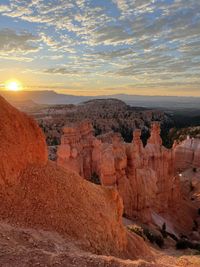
49,97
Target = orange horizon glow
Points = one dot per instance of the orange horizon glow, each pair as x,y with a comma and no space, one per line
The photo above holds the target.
13,85
16,86
22,85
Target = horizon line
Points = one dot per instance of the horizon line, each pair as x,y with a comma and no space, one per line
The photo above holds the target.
92,96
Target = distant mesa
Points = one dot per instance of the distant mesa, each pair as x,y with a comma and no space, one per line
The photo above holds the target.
103,102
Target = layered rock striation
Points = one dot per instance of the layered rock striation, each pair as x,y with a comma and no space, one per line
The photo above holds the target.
187,154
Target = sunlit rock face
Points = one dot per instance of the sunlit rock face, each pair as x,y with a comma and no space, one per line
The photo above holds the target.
22,143
38,194
143,175
81,152
187,154
75,151
150,175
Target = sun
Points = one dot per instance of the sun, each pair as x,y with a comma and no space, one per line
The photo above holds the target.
13,85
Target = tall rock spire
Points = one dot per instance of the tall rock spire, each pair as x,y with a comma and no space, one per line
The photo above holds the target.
155,138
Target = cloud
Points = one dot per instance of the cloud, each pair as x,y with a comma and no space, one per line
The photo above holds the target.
4,8
66,71
15,45
110,55
143,40
112,35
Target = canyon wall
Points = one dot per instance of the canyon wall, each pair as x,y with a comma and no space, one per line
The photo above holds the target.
38,194
187,154
143,176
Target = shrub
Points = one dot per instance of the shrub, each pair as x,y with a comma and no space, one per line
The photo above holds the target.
182,244
163,230
172,236
137,230
150,235
185,243
159,241
154,238
196,246
95,178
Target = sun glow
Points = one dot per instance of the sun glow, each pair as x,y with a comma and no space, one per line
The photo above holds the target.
13,85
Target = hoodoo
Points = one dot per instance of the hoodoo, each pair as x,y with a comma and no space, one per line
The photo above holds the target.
144,176
37,193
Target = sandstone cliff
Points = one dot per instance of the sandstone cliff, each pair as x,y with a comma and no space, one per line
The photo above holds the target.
38,194
187,154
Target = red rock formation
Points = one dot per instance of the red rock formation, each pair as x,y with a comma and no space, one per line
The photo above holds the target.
42,195
38,194
22,143
150,176
143,175
75,151
187,154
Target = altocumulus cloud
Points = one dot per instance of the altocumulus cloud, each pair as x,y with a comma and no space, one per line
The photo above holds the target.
66,71
13,43
151,41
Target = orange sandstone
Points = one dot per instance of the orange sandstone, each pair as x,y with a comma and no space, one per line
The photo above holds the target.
39,194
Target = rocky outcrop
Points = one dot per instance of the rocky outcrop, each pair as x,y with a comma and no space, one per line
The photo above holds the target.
38,194
143,175
78,215
75,152
22,143
187,154
150,176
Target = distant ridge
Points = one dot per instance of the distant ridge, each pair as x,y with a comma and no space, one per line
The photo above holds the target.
43,97
53,98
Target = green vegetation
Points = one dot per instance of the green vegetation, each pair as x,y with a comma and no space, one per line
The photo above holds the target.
153,237
137,230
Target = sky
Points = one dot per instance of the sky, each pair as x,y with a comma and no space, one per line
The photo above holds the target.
93,47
